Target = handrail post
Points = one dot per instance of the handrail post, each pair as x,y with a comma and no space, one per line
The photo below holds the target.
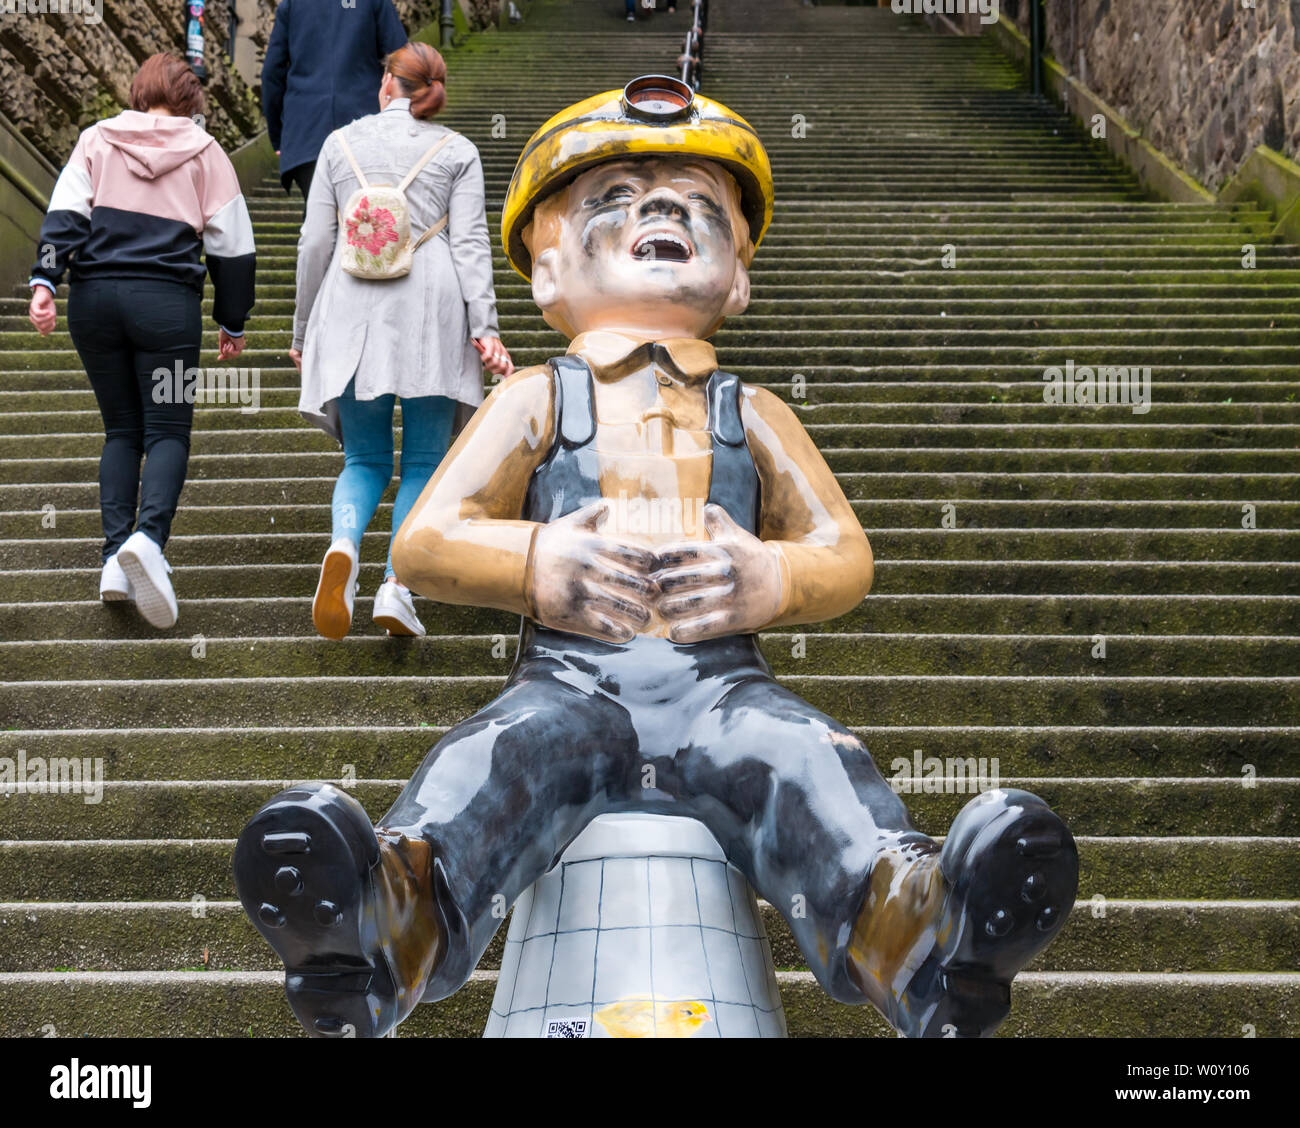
446,25
1036,38
692,56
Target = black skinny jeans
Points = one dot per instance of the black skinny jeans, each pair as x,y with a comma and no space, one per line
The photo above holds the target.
124,330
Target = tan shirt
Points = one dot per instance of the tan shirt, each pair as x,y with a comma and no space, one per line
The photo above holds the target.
466,541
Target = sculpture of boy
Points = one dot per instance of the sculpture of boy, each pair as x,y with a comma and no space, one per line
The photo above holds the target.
646,514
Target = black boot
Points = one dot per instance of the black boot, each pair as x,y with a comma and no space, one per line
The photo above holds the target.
312,877
1010,870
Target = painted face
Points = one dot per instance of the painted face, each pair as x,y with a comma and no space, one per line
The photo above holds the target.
645,245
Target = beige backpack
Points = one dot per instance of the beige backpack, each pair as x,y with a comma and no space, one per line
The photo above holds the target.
375,223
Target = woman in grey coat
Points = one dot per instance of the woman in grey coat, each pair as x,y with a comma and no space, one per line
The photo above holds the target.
362,343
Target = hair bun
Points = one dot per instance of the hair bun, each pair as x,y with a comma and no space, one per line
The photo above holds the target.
420,72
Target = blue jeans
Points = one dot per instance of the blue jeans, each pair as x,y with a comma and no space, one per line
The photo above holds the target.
367,427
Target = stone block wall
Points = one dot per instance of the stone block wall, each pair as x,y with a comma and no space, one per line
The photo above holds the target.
1205,81
60,71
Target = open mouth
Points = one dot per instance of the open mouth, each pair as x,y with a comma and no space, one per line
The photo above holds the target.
661,246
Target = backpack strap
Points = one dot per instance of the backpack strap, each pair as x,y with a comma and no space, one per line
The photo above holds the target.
424,160
429,233
356,168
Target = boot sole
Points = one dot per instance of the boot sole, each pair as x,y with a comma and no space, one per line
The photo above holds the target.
1011,893
329,609
150,600
302,870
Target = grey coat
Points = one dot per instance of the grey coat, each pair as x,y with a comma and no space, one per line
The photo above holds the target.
408,336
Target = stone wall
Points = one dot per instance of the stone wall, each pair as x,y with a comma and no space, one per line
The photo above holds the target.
1205,81
59,72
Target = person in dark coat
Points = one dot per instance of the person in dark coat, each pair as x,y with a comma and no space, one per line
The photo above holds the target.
323,66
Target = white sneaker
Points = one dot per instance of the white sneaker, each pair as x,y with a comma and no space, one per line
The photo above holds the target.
395,611
331,610
146,570
113,584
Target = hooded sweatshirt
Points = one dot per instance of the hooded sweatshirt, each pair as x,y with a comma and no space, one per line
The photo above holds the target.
141,196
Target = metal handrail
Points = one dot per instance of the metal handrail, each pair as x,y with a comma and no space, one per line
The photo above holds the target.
692,55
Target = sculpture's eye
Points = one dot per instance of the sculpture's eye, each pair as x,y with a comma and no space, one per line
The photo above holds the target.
618,192
708,203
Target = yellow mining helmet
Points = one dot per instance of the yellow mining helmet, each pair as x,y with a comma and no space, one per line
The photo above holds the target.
651,115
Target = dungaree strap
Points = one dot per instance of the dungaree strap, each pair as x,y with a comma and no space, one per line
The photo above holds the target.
568,479
574,408
735,484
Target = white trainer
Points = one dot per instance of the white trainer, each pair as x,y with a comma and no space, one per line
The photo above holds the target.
395,611
147,570
331,610
113,584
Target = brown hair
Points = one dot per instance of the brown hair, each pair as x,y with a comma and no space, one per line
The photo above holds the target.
422,76
167,80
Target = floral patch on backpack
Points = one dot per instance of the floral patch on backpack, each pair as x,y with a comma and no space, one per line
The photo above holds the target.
375,223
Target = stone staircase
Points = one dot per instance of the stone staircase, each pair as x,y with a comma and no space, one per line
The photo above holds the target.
1011,538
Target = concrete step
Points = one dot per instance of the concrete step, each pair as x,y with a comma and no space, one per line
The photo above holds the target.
209,1004
1104,935
1090,805
928,613
382,750
159,869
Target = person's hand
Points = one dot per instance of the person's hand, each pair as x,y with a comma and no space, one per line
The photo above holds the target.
727,585
295,355
584,581
42,312
228,346
495,358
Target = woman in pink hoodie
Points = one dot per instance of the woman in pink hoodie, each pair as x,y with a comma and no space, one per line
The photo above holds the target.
145,198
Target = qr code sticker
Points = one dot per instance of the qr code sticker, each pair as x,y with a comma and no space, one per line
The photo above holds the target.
567,1028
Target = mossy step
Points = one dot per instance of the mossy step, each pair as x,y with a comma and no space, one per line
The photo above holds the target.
1090,806
1109,935
377,751
788,653
926,381
836,394
1115,578
1096,430
867,258
198,1004
304,515
1228,541
57,424
1169,613
1136,868
857,699
913,488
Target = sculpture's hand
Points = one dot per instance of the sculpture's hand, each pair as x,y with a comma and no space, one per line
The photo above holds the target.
581,580
730,584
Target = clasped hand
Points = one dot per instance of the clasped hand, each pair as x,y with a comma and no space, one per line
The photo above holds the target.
595,583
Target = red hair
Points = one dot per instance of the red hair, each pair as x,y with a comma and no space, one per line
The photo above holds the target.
167,80
421,74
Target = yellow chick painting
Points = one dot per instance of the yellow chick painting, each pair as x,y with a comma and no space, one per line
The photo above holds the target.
644,1018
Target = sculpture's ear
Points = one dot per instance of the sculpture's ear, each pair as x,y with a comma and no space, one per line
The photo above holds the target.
545,281
738,299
